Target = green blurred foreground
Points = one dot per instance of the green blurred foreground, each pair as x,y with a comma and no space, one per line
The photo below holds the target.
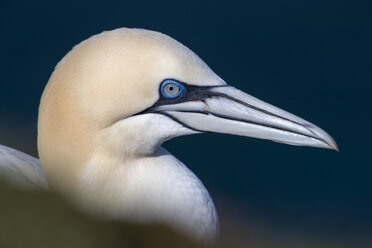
42,219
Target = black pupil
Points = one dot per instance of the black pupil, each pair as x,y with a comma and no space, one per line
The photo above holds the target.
170,88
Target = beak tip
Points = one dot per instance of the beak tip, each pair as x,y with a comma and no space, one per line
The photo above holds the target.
324,137
332,143
334,146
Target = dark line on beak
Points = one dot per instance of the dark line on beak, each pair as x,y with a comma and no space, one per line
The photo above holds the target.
260,109
236,119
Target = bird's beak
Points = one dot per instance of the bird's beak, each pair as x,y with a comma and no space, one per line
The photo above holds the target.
224,109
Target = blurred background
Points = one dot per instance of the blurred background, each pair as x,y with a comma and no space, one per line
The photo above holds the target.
311,58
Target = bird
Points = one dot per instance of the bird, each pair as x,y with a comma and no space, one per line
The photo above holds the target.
108,107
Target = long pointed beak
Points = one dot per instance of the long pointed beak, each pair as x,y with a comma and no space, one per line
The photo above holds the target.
225,109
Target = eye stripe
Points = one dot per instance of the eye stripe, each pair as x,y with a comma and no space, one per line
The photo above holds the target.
189,92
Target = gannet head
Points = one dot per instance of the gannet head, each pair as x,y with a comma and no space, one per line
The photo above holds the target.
122,93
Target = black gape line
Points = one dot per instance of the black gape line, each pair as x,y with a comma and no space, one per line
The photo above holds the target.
201,93
190,93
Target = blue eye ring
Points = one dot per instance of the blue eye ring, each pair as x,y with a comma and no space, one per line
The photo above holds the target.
167,83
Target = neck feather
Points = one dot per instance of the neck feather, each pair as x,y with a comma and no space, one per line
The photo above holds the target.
156,188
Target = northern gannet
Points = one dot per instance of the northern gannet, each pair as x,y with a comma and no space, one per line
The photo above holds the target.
106,110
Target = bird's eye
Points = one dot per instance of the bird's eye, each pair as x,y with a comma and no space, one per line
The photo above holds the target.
171,88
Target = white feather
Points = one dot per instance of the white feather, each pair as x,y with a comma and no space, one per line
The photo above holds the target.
21,169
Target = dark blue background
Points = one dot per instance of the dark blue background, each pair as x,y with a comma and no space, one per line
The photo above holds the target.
310,58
